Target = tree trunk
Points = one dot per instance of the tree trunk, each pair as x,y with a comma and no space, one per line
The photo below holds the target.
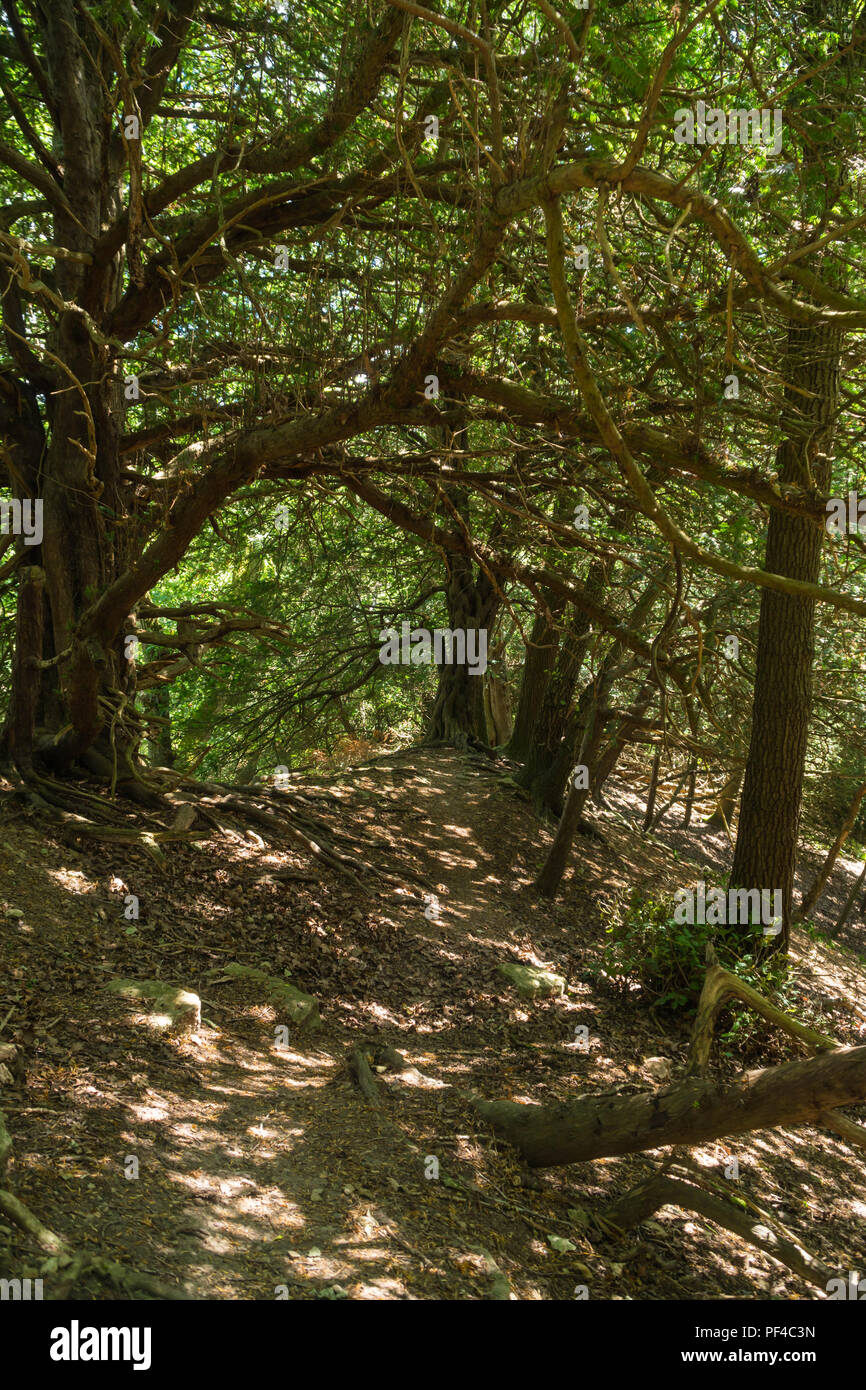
538,664
766,847
552,776
553,868
653,791
660,815
86,539
19,730
726,805
72,334
497,702
690,795
553,721
458,711
849,901
616,747
556,733
550,786
692,1112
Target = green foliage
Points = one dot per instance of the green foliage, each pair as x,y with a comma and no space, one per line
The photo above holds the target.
648,949
380,224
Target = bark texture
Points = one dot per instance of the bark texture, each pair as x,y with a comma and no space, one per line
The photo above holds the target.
689,1113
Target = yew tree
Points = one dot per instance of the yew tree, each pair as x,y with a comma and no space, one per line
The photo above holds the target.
117,220
450,268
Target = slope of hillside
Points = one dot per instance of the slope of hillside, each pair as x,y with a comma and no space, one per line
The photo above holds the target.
266,1171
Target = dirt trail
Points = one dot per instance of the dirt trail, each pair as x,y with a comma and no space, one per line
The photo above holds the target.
264,1172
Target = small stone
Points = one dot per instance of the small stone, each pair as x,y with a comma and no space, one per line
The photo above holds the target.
532,981
176,1010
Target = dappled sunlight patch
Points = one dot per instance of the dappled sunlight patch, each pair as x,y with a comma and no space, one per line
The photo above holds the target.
196,1132
381,1289
492,881
450,860
418,1081
704,1158
148,1113
73,880
379,1013
494,944
237,1106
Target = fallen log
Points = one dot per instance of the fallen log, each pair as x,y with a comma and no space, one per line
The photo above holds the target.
691,1112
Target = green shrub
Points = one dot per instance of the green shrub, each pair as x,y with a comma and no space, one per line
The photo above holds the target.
667,959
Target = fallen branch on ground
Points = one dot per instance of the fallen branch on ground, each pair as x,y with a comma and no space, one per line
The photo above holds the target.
65,1267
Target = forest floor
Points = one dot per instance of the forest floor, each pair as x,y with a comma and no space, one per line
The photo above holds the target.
265,1172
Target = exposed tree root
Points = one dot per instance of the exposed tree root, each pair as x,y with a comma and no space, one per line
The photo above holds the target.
288,876
5,1145
845,1128
286,815
282,828
661,1190
360,1069
696,1110
367,1055
133,787
26,1221
720,986
66,1268
283,820
225,831
691,1112
149,841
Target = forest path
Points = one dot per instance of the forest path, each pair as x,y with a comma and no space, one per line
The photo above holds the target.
264,1172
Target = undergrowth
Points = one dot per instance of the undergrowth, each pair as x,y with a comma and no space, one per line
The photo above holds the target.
666,960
